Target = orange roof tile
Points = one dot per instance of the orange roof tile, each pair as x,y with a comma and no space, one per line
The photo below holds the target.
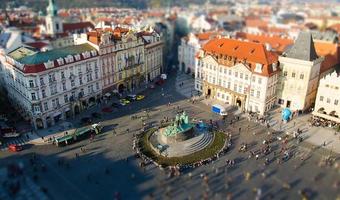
276,42
250,51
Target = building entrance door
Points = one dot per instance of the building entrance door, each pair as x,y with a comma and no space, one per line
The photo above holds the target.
209,92
238,102
288,104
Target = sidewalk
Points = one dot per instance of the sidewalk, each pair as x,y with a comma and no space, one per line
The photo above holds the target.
314,135
187,89
41,137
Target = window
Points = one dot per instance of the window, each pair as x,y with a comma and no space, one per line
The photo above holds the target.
219,82
240,88
73,83
258,94
66,98
53,89
31,84
55,103
241,75
218,94
62,75
321,98
336,102
96,74
301,76
225,71
89,77
214,80
80,80
285,73
246,77
34,97
222,96
43,93
253,79
259,80
230,72
328,100
97,86
45,106
235,87
293,74
64,86
42,81
252,92
236,74
229,85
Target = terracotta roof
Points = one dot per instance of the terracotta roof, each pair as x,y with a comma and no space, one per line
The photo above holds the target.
250,52
256,23
330,52
335,27
205,35
37,45
68,27
276,42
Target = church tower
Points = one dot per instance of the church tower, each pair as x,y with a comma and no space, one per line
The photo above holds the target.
54,23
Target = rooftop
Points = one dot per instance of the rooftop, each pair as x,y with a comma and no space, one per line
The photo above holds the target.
42,57
303,48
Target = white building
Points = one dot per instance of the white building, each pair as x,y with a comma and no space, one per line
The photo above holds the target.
239,73
188,49
327,100
300,69
48,87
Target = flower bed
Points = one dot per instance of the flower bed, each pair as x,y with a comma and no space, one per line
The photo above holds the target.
211,152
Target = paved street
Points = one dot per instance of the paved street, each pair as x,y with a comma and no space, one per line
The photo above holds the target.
108,168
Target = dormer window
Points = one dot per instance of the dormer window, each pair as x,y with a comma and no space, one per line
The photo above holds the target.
258,68
274,67
60,61
252,51
235,48
77,57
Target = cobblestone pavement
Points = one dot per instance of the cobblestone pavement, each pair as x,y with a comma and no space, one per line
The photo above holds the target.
107,169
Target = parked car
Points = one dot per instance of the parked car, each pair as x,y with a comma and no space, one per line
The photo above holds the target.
140,97
14,148
124,102
131,97
86,120
116,105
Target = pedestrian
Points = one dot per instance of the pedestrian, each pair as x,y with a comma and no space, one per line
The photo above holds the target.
324,143
239,130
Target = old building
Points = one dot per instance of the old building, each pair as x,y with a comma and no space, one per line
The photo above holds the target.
239,73
300,69
327,100
48,87
153,54
122,58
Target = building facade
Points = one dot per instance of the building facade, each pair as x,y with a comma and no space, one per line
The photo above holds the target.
49,87
300,69
327,100
239,73
122,58
153,54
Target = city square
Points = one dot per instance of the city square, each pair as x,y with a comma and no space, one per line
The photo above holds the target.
108,168
169,99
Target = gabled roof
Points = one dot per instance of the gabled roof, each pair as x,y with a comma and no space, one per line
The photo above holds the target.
303,48
67,27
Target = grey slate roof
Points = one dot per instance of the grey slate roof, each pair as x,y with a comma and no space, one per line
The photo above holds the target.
303,48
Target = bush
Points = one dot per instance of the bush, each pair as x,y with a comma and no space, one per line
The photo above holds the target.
216,145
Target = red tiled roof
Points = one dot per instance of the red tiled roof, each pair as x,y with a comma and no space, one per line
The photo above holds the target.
68,27
243,51
278,43
37,45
